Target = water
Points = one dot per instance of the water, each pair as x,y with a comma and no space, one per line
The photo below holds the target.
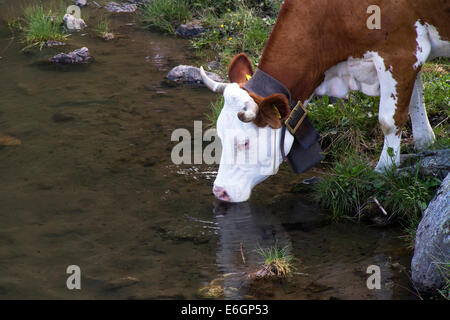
92,185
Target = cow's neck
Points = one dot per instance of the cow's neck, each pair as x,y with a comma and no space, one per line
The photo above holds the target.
297,55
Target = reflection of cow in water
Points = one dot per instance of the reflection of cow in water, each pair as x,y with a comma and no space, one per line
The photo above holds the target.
332,258
252,227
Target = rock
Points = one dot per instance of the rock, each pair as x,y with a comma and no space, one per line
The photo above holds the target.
78,56
190,30
121,283
189,75
59,117
51,44
73,23
432,244
119,8
213,65
433,162
80,3
8,141
108,36
139,1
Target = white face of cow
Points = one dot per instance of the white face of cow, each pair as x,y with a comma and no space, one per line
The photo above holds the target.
249,154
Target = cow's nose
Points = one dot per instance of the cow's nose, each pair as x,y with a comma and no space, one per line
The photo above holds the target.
221,194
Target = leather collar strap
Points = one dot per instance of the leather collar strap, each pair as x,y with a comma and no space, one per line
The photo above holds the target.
306,151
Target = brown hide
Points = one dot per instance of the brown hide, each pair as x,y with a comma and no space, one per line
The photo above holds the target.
311,36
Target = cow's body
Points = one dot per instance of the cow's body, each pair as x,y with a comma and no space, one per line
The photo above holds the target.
313,36
325,47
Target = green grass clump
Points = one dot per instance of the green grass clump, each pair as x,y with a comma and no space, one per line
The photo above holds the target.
349,190
103,25
166,15
41,25
277,261
216,108
237,31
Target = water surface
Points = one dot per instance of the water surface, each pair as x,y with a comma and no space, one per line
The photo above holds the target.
92,184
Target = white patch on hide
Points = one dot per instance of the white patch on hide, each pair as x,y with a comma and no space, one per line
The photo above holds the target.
423,45
422,131
353,74
439,47
388,106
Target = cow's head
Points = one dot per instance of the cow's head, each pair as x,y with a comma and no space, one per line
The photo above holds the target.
249,127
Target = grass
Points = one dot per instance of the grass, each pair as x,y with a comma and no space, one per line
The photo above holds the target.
350,188
41,25
103,27
166,15
216,107
233,26
277,262
234,32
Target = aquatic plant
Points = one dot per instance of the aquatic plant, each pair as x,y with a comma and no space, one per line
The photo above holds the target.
103,28
277,262
166,15
41,25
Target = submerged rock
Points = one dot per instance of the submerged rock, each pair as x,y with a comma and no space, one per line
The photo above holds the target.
75,57
120,7
73,23
190,30
108,36
432,247
121,283
189,75
51,44
8,141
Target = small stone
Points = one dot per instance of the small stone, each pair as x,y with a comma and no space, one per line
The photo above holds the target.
120,8
189,30
108,36
8,141
59,117
73,23
80,3
51,43
211,292
121,283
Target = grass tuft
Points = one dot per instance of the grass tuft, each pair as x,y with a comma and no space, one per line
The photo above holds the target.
166,15
41,25
277,262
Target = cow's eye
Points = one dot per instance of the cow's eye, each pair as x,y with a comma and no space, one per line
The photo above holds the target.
243,144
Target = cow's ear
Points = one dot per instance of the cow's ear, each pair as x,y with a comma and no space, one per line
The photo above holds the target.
240,69
273,111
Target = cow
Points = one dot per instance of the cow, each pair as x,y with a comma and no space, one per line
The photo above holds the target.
325,47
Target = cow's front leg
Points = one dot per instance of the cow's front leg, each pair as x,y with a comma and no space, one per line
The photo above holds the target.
422,131
395,95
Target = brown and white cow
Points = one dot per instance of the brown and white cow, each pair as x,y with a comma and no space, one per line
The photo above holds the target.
325,47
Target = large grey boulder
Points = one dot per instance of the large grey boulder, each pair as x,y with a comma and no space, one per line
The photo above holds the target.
432,248
75,57
190,75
